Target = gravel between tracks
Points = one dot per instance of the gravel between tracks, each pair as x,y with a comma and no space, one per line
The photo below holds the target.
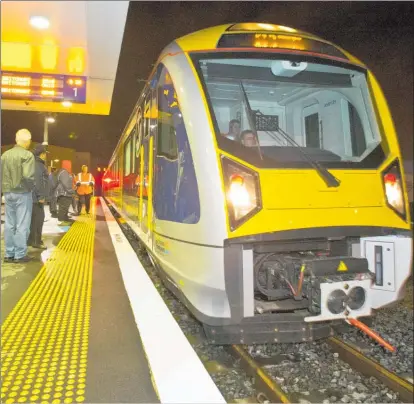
314,373
311,371
395,325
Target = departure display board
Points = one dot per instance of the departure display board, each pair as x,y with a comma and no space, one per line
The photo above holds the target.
43,87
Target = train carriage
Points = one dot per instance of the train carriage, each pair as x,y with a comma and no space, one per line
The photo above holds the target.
285,236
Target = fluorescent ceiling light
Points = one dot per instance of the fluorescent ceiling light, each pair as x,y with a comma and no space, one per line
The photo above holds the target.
39,22
67,104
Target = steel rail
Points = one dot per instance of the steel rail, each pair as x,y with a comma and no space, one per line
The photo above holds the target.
264,384
369,367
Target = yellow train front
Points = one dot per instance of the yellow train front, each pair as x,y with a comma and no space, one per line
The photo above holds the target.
269,183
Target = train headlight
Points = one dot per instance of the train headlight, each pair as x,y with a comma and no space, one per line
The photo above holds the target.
238,194
242,192
393,189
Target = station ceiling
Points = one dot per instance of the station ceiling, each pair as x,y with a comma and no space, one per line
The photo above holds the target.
55,51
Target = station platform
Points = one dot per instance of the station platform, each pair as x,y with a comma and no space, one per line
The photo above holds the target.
84,323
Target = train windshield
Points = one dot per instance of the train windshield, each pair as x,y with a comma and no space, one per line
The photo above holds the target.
323,107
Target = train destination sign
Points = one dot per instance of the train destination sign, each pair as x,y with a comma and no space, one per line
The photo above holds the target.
43,87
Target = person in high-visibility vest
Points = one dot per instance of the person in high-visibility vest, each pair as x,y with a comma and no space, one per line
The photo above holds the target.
84,182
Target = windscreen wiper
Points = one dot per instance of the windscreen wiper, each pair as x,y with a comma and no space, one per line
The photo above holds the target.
330,180
250,118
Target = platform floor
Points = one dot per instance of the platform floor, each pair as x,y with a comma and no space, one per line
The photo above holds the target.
66,338
76,324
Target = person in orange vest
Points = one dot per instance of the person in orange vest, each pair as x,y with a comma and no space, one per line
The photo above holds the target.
84,182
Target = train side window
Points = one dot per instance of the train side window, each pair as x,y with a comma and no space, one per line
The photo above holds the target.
127,157
176,196
133,146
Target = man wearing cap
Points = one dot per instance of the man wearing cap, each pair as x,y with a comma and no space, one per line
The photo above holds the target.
17,178
40,193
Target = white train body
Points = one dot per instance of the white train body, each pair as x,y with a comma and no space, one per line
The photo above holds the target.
170,178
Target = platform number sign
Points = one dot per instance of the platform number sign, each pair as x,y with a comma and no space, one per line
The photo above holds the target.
43,87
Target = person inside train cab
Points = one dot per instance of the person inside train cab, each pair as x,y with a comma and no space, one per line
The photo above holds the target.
249,139
84,188
234,130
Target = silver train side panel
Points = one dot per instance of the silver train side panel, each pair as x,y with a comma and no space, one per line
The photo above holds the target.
194,257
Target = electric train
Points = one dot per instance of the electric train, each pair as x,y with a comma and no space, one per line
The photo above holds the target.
261,170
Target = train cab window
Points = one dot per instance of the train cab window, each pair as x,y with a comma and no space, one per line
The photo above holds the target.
311,126
269,95
358,140
176,197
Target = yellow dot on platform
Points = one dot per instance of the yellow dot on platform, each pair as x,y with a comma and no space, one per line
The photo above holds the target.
68,401
34,398
46,396
55,401
80,399
22,400
9,401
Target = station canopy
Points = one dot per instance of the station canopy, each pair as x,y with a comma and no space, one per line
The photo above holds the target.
60,56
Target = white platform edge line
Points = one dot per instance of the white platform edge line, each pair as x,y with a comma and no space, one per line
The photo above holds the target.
179,374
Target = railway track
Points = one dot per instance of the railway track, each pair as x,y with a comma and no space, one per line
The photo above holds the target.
269,390
267,387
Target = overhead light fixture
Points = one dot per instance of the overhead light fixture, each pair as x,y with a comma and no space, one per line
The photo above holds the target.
50,119
67,104
39,22
56,160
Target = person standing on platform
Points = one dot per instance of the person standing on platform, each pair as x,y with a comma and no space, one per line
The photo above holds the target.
18,176
52,197
84,188
64,192
98,182
40,194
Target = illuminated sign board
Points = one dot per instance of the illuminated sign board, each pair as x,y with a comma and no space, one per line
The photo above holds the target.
278,41
43,87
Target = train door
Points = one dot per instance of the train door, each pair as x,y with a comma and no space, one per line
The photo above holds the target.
149,128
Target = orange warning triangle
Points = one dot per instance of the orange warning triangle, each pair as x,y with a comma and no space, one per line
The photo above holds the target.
342,267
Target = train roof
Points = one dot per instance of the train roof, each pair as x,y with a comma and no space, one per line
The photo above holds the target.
211,38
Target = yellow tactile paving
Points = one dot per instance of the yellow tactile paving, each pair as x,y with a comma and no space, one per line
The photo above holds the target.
44,342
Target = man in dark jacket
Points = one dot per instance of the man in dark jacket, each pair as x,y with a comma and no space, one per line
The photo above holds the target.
64,192
40,193
52,197
17,179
